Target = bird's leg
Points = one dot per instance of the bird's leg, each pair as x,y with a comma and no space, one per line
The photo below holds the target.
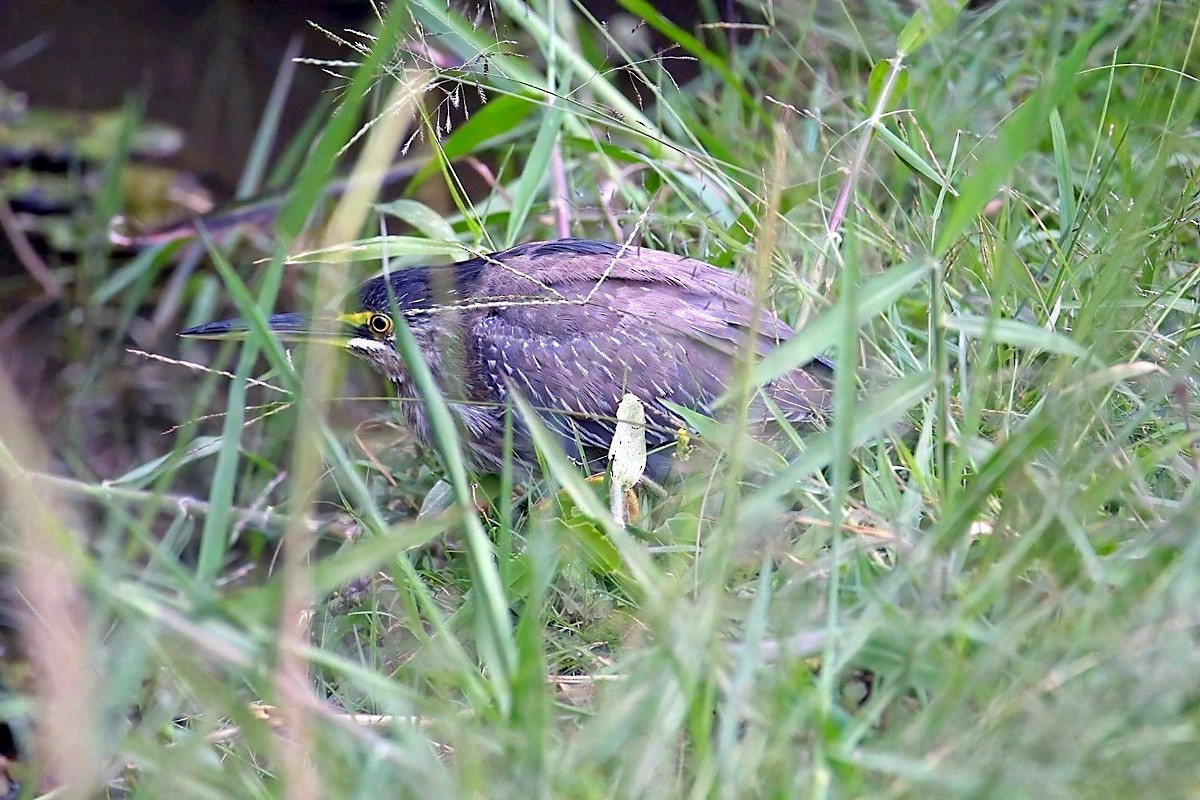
624,505
631,507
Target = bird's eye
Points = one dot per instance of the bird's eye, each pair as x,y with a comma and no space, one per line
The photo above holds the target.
380,324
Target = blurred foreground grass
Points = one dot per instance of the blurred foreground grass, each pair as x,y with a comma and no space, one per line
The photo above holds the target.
980,581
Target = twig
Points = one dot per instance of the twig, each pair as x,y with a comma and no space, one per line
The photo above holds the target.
369,454
260,210
14,321
847,527
489,177
259,502
608,191
201,368
838,214
189,506
28,257
559,190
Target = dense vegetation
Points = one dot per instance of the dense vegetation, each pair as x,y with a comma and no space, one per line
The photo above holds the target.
982,580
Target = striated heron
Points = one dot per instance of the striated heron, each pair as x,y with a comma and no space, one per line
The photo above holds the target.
571,325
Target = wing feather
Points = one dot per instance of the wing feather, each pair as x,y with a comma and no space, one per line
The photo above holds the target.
583,323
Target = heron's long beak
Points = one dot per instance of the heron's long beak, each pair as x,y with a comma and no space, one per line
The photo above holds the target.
290,327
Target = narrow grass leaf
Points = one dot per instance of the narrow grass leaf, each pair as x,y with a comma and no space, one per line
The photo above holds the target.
149,260
875,296
199,448
969,505
1062,171
913,159
927,21
213,543
721,435
252,313
214,537
421,217
634,558
533,175
1017,135
376,248
875,415
1014,333
268,126
318,166
645,11
365,556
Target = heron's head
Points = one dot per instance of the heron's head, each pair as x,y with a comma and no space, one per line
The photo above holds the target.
364,324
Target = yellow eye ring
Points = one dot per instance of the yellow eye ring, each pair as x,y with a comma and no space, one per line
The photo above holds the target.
380,324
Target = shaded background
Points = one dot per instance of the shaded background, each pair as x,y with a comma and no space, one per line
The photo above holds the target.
205,68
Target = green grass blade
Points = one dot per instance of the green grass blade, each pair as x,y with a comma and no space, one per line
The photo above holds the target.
534,175
875,296
1016,136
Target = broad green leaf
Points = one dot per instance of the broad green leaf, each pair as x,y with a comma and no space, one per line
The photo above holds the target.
587,538
879,79
926,22
421,217
496,120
